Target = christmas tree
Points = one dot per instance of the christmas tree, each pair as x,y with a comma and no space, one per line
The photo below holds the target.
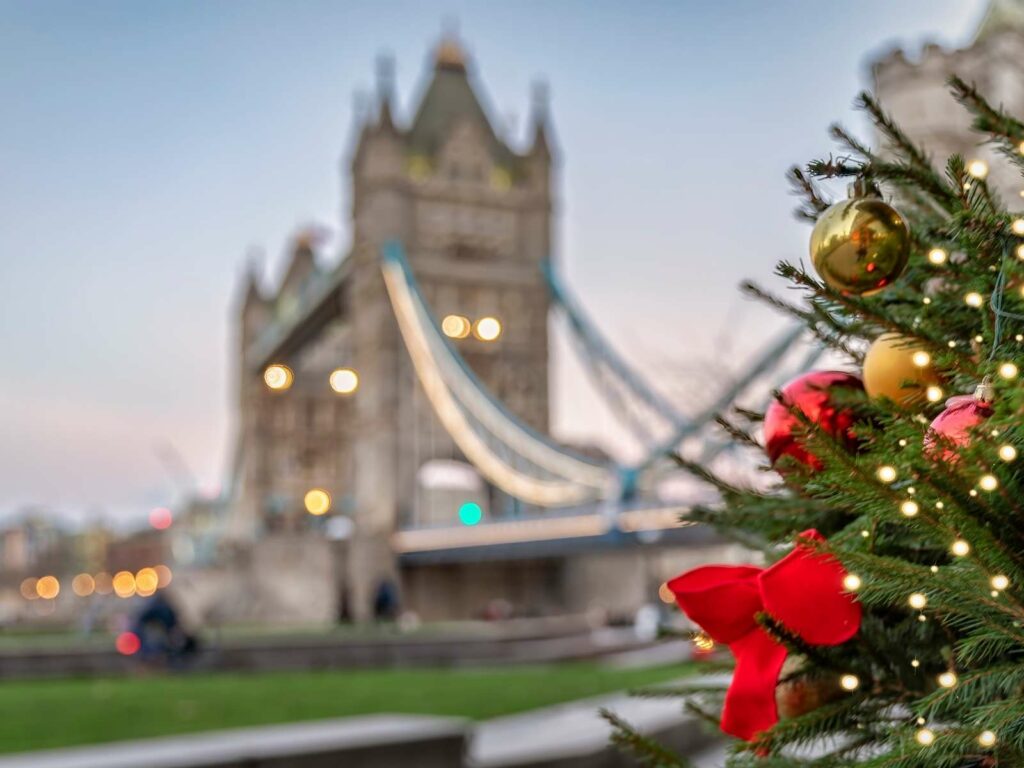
887,625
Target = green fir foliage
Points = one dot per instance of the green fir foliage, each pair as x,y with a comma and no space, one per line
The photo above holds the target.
967,627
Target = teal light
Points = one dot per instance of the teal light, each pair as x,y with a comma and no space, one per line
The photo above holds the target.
470,513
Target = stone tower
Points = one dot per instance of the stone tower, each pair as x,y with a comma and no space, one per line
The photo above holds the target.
916,93
475,216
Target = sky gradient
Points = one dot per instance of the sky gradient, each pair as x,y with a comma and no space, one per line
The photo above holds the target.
147,147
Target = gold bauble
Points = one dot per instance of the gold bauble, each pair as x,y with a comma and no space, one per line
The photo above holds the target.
898,368
859,246
798,694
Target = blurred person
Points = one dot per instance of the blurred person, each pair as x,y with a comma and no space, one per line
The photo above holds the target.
385,603
163,640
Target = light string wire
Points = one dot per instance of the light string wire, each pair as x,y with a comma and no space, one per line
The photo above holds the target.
997,301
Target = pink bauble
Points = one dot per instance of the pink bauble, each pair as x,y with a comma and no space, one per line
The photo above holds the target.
952,428
811,394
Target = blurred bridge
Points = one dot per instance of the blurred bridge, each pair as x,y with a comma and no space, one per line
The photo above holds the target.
574,496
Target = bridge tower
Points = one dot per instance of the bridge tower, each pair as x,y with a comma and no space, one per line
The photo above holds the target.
475,216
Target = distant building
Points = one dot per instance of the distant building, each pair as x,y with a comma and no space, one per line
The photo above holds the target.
916,91
475,216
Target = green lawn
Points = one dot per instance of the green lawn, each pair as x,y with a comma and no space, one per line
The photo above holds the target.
44,713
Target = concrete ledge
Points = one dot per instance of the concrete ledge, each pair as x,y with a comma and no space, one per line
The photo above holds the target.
376,741
573,735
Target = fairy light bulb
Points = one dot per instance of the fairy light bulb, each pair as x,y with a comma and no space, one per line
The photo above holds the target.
925,737
1020,251
988,483
849,682
909,508
973,299
999,582
947,679
886,473
851,582
978,169
937,256
1017,226
921,359
1007,452
1008,371
934,569
917,601
915,663
960,548
987,738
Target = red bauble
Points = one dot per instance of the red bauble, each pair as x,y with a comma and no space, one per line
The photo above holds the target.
811,395
952,428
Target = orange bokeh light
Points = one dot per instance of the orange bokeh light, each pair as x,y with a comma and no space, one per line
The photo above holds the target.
48,587
124,584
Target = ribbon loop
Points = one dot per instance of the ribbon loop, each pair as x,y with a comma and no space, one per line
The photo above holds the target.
803,591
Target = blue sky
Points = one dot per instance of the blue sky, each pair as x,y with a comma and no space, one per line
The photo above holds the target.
146,147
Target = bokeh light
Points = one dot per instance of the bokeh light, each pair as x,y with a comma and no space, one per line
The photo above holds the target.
278,377
83,585
488,328
28,588
344,381
127,643
456,326
163,576
665,594
104,583
318,501
470,513
48,587
161,518
146,582
124,583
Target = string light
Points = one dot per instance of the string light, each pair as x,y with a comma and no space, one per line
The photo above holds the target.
488,328
909,508
278,377
960,548
937,256
1007,452
849,682
917,600
978,169
317,501
973,492
865,533
1008,370
903,442
851,582
344,381
973,299
934,569
951,344
911,490
1017,226
886,473
921,358
988,483
1020,251
456,326
987,738
925,737
915,663
999,582
947,679
934,394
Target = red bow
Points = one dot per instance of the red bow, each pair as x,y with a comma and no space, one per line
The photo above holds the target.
803,591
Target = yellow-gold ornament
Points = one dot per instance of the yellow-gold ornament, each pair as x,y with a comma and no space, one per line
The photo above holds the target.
859,246
898,368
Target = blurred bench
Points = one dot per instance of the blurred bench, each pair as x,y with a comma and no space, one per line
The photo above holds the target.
375,741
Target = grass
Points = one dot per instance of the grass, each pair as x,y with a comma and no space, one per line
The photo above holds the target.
56,713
